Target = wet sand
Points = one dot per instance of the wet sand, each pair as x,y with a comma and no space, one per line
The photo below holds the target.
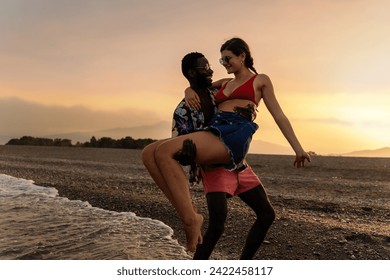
336,208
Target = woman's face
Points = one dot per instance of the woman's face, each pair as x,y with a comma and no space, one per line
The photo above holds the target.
230,61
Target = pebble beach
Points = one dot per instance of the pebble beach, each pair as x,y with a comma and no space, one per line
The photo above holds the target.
336,208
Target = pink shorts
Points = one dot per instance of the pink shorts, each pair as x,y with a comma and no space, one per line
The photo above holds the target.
231,182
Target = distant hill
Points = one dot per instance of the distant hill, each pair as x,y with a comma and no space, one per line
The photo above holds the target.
263,147
383,152
160,130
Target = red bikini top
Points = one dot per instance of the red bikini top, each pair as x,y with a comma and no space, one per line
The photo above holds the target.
244,91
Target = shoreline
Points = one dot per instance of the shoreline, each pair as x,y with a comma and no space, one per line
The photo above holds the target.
334,209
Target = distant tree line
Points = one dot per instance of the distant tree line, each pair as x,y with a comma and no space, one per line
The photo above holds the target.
104,142
123,143
34,141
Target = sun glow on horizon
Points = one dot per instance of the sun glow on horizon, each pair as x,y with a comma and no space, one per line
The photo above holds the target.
329,72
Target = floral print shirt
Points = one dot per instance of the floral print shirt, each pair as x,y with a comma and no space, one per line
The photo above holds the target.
186,120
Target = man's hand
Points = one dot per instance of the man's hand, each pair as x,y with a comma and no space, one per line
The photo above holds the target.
248,112
187,154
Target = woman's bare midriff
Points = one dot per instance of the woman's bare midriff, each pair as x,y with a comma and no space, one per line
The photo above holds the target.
229,105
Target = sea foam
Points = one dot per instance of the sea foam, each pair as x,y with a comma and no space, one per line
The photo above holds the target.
36,223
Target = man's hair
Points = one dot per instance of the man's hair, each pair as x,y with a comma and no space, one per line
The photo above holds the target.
189,61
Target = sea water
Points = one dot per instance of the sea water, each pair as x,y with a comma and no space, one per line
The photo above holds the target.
36,223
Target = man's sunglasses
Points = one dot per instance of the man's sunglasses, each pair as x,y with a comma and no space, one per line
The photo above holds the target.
206,67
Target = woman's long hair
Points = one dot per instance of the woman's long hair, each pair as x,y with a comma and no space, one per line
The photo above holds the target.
239,46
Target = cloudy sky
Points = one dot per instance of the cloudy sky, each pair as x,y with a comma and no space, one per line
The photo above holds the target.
68,65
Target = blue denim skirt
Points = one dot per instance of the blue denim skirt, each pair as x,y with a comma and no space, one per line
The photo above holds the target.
235,132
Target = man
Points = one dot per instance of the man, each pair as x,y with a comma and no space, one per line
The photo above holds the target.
219,183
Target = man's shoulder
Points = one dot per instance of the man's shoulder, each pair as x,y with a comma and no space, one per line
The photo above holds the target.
180,105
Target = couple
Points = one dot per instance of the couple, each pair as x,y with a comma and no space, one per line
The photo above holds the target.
224,141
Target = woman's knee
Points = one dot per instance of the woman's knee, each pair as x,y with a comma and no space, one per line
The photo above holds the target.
165,151
147,154
161,150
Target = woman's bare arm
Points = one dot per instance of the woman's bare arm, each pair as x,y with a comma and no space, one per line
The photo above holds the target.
281,120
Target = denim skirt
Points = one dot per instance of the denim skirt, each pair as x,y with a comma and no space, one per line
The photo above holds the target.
235,132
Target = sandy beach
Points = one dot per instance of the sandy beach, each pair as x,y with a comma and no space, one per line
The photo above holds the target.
336,208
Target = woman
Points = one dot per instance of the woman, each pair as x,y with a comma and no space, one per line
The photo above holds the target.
226,140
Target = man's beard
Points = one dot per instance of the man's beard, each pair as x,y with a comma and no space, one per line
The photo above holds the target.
204,82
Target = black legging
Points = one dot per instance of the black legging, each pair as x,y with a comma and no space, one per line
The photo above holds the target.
256,199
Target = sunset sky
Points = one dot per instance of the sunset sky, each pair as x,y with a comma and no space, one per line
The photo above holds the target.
68,65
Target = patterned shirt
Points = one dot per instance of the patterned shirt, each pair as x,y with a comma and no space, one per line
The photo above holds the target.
187,120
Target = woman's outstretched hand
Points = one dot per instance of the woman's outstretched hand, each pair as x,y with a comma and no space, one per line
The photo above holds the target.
300,159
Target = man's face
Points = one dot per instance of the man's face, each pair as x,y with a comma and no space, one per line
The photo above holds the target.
204,74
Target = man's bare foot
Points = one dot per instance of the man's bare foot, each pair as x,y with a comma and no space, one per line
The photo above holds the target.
194,233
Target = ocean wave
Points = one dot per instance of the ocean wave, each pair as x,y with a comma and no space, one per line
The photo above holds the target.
38,224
